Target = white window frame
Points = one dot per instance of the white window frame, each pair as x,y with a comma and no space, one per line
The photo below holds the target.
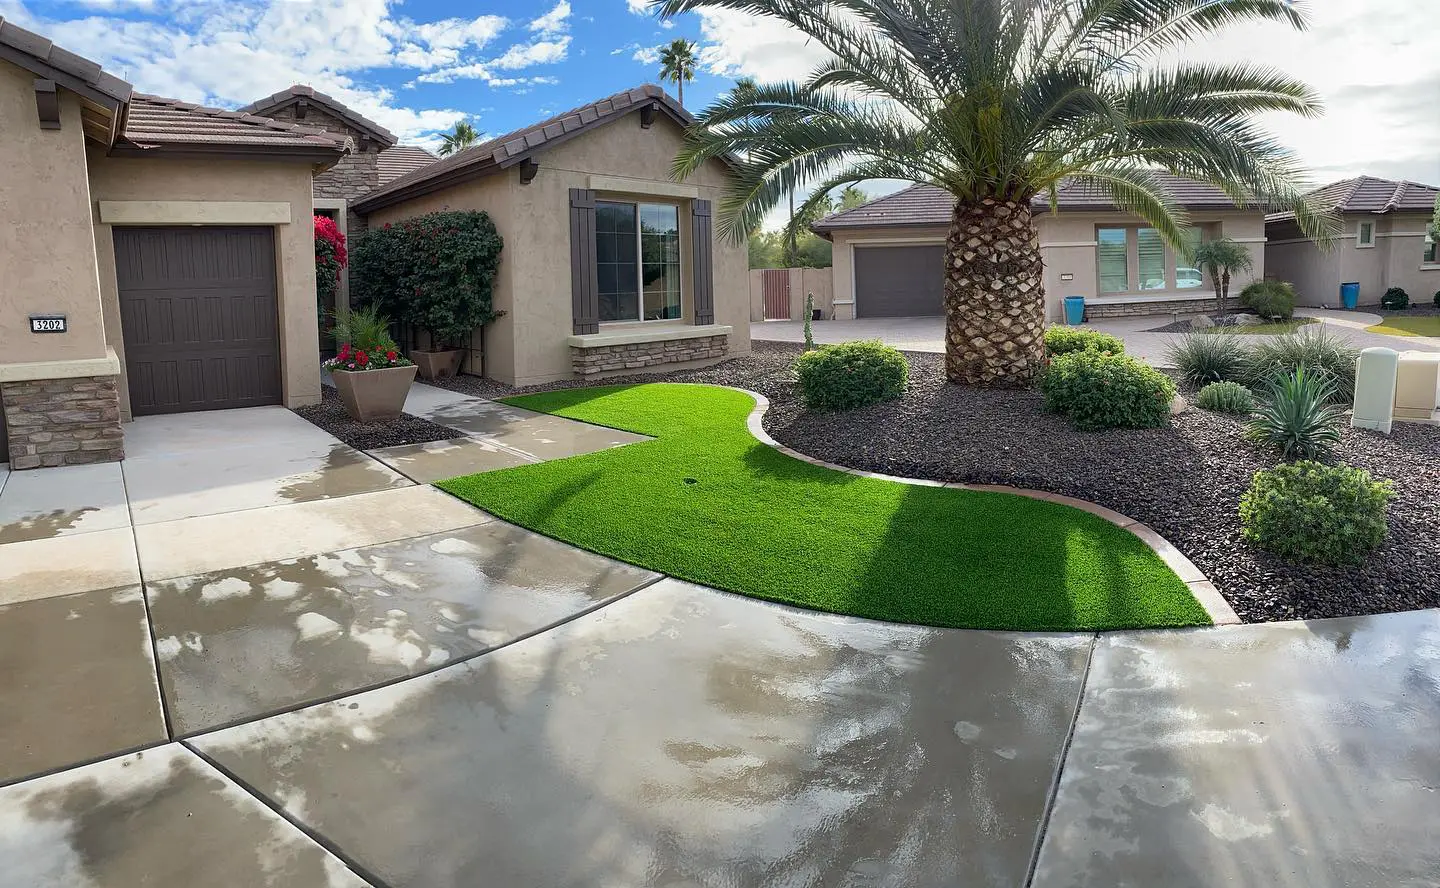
1430,245
1360,242
640,260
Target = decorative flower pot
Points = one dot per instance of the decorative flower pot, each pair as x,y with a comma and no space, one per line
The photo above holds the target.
437,364
374,394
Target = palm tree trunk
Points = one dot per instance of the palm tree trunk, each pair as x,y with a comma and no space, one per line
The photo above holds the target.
1219,294
1224,292
994,295
680,89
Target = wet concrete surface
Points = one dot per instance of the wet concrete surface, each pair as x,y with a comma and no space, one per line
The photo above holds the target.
40,504
162,818
68,564
245,642
438,460
77,682
1294,754
682,736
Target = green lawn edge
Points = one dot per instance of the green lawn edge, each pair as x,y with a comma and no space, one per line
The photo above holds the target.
1419,325
708,503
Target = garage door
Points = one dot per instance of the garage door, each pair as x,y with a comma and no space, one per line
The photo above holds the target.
899,282
199,314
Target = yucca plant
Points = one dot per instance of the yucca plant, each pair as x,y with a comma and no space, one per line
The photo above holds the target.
1203,358
998,102
1295,416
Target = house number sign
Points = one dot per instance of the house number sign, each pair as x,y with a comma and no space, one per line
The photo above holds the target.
48,324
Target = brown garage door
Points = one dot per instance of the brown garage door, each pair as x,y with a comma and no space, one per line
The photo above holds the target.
199,314
899,282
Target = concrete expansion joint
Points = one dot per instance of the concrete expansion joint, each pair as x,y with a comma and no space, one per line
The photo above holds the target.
1205,592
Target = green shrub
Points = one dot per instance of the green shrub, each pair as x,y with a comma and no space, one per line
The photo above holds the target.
1225,397
1307,511
1295,416
1274,300
1437,298
1099,390
1064,340
1204,358
1395,299
1308,347
852,374
434,272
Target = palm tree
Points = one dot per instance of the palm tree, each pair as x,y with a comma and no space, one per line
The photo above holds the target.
677,65
1220,258
998,102
461,137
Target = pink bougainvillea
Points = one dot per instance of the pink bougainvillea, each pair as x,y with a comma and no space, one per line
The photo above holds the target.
330,258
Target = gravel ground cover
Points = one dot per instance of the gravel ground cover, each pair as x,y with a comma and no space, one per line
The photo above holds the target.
1185,481
330,415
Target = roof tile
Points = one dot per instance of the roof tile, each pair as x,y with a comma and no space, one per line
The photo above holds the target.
298,91
1369,194
397,160
155,121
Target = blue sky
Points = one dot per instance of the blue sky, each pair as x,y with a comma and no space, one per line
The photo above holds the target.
418,66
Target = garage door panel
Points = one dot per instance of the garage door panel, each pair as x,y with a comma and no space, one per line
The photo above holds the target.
900,281
199,312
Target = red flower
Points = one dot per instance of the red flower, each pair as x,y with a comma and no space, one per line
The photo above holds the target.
344,351
390,356
361,358
387,225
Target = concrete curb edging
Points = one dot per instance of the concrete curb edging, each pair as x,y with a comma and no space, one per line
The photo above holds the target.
1220,611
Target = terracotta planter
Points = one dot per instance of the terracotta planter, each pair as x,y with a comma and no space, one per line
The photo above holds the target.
437,364
374,394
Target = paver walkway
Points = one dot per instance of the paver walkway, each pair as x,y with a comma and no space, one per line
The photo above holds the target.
389,687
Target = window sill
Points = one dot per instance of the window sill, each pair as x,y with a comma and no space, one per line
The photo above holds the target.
657,334
1154,296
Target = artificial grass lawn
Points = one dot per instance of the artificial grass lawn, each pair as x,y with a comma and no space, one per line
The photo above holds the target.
1419,325
1272,328
707,502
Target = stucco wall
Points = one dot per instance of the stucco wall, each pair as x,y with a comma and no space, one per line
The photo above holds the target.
47,251
1394,261
534,219
155,179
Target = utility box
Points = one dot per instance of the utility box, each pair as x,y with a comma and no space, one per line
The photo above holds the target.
1375,380
1417,387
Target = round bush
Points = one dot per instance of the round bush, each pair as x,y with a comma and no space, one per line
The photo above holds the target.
1099,390
1307,511
1437,298
852,374
1395,299
1225,397
1209,357
1064,340
1274,300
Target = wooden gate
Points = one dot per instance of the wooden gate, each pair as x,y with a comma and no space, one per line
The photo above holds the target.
775,284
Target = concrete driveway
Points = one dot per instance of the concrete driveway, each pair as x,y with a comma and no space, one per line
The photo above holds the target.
365,681
928,334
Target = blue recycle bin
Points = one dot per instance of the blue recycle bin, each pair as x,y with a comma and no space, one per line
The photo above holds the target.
1350,295
1074,310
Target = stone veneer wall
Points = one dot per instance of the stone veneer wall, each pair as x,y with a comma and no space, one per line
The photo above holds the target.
591,360
63,422
356,174
1131,309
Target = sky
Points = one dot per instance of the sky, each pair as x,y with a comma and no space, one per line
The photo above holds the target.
418,66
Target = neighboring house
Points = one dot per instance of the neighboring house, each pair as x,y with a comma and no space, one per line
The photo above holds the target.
889,253
375,158
609,265
157,256
1383,243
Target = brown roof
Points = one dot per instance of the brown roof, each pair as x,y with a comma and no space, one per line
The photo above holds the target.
103,95
1367,194
928,205
398,160
505,151
302,93
156,122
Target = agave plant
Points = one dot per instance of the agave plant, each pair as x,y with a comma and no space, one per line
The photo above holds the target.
998,102
1295,416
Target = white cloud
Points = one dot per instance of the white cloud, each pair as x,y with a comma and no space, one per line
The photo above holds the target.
646,55
736,44
521,55
541,52
554,22
639,7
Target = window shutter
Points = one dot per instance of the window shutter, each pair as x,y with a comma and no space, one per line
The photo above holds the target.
584,281
702,238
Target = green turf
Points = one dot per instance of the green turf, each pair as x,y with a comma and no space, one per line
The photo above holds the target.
707,502
1269,328
1416,325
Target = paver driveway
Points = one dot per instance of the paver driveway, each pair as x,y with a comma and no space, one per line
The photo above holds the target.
389,687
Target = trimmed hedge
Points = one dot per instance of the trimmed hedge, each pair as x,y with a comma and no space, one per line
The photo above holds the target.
1272,300
1307,511
850,375
1395,299
1099,390
1064,340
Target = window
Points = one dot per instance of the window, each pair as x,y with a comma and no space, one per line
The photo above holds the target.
1187,276
1151,250
1432,254
1112,256
637,259
1365,236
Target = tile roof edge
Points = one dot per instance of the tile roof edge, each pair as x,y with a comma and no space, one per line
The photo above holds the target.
298,91
252,119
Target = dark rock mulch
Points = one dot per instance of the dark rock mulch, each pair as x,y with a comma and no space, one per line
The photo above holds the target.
330,415
1185,481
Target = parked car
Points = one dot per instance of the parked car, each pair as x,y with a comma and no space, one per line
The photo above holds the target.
1188,278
